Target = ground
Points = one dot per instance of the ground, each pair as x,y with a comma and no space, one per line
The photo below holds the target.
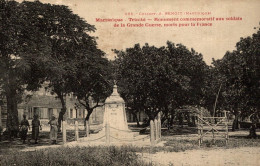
178,146
248,156
16,144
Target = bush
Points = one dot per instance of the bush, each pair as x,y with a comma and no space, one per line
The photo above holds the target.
247,125
74,156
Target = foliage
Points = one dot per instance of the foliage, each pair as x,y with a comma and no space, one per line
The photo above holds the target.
239,70
74,156
92,80
21,48
69,43
44,42
160,79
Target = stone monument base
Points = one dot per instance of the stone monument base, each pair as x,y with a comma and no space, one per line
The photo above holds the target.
115,136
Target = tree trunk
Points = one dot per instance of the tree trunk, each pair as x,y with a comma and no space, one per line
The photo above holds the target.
62,112
235,122
86,121
252,131
164,118
151,116
12,122
136,118
171,120
188,119
193,121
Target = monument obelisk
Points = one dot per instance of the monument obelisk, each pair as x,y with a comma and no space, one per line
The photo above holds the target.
115,116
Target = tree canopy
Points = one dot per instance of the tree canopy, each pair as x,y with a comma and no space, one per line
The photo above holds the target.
45,42
239,70
21,49
92,81
160,79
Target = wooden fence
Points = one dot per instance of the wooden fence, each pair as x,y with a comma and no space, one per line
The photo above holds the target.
212,125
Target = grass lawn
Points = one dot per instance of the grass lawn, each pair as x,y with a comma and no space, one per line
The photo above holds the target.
98,156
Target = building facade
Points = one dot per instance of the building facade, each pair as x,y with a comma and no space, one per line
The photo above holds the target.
44,104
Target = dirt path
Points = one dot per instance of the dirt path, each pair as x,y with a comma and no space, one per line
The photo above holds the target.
246,156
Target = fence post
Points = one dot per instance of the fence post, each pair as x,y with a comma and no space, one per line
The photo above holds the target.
199,134
87,128
159,127
76,131
226,124
107,134
201,129
156,130
64,132
152,132
213,135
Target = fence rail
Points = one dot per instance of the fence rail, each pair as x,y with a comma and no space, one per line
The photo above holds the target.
211,127
155,133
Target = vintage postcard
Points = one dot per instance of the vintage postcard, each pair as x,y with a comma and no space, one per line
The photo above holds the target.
130,82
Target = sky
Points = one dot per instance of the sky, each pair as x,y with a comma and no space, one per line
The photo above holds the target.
211,42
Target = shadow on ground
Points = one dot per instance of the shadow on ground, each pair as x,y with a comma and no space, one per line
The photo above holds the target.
243,137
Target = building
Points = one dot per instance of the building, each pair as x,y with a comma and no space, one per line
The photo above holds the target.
44,104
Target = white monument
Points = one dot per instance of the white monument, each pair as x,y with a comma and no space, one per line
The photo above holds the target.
115,128
115,116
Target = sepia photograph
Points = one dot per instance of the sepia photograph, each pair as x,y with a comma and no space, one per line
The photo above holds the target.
129,82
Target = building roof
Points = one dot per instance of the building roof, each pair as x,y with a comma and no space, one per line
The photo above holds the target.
42,101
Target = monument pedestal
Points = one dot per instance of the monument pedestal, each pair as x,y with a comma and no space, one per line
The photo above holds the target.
116,136
126,135
115,128
115,117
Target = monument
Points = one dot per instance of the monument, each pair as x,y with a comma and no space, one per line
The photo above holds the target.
115,128
115,116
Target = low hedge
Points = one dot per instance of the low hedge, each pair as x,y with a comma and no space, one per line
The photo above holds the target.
74,156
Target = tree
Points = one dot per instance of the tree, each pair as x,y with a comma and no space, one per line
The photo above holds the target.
160,79
240,70
66,34
190,65
21,49
214,85
40,43
92,82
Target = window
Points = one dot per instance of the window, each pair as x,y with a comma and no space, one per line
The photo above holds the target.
80,113
30,116
44,113
71,113
50,112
